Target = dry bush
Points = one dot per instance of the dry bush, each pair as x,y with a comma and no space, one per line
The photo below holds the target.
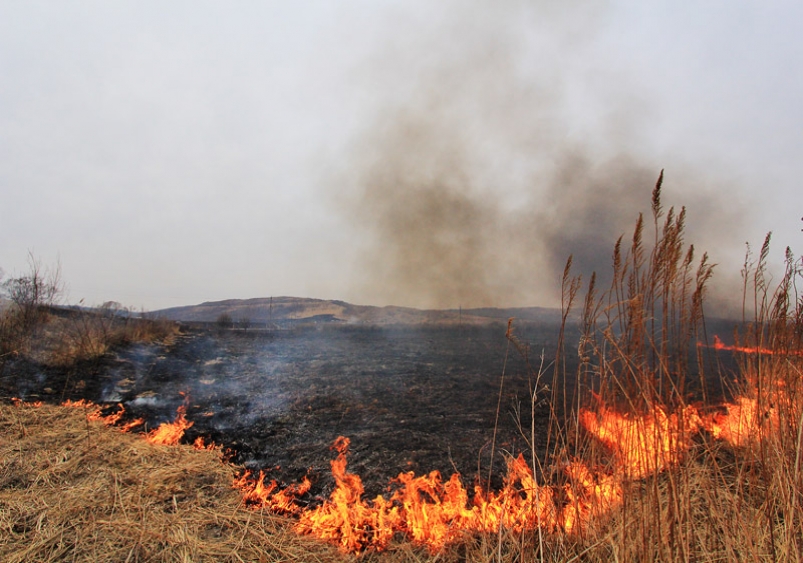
29,297
13,336
89,335
34,292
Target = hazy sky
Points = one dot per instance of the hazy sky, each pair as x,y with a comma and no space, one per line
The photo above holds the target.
387,152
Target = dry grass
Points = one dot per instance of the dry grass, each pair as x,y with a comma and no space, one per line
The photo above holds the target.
721,502
78,491
67,338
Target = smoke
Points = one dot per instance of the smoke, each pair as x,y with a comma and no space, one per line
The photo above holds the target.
483,171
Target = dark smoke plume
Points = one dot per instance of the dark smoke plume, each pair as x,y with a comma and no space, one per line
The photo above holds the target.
473,191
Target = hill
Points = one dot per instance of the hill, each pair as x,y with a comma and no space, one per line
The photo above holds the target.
283,309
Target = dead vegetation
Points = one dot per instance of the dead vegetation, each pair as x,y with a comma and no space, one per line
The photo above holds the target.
33,326
79,491
65,338
86,336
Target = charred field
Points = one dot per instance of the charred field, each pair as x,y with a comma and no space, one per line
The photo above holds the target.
410,397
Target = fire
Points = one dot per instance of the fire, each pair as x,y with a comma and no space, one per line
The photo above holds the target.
128,426
719,345
434,513
96,414
200,444
590,497
80,403
743,423
644,444
345,519
271,497
169,433
17,402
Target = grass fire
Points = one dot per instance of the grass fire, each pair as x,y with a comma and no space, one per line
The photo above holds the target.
638,439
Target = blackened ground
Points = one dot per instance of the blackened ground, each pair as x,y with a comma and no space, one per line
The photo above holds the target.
410,398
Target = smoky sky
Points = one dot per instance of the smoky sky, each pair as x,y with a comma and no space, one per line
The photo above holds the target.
474,189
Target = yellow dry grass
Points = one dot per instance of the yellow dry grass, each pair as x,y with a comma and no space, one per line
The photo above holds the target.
71,490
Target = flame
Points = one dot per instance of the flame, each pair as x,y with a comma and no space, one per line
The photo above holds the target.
345,519
130,425
17,402
200,444
257,494
434,513
169,433
114,420
81,403
431,512
743,423
646,444
590,497
96,414
719,345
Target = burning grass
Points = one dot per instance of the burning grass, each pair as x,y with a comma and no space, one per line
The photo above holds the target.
78,489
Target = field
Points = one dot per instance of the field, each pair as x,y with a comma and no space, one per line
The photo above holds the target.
639,437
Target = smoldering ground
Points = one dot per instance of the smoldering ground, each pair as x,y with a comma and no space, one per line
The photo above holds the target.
477,179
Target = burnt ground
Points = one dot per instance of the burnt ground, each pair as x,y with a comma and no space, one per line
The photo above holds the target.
410,398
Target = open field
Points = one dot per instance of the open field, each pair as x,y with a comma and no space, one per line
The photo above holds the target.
643,440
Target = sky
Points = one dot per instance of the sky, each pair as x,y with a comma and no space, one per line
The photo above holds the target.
416,153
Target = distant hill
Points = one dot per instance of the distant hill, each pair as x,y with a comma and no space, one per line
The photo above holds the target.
284,309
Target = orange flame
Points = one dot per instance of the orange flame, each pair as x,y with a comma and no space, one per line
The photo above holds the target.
345,519
169,433
719,345
259,495
132,424
96,414
433,513
645,444
743,423
80,403
200,444
17,402
114,420
590,497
